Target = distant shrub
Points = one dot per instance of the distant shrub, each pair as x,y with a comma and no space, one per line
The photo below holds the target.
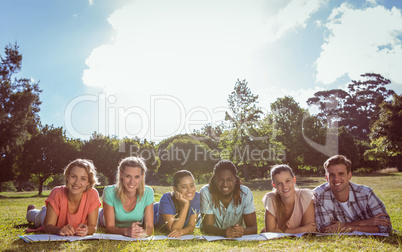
309,170
388,170
363,170
8,187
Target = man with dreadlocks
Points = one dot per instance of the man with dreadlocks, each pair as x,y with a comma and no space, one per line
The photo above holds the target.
227,207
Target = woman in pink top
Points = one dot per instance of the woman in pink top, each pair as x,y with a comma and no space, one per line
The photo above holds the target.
288,209
71,209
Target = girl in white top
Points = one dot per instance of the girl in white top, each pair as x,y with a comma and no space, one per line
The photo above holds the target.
288,209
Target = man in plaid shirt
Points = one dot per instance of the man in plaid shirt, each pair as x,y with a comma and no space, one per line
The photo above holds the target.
342,206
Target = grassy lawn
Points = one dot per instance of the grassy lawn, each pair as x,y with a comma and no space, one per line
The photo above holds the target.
388,188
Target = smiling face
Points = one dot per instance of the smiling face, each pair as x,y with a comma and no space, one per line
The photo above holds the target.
186,187
131,178
225,182
284,184
77,180
338,179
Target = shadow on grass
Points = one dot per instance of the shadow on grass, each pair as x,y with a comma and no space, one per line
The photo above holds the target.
21,245
24,226
394,239
21,196
94,245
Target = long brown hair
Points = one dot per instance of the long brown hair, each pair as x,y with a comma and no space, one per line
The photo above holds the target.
280,208
221,166
176,180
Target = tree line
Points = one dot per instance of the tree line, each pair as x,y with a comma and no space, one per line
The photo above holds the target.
361,122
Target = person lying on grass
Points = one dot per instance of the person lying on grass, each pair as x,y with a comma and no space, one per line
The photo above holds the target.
227,207
342,206
128,205
287,208
177,212
71,209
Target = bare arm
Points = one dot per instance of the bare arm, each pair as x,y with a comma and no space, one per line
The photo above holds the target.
270,223
149,219
90,228
308,222
187,229
93,221
50,224
111,228
368,225
251,223
176,222
209,227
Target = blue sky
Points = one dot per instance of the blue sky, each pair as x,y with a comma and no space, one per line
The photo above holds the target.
157,68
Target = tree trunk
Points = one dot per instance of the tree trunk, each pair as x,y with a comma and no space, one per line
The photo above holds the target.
40,186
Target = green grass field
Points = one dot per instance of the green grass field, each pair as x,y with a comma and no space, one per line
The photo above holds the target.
388,187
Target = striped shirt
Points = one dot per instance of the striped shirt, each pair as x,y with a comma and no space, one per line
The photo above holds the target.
362,204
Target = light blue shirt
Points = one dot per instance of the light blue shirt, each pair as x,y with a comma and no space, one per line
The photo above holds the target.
231,215
122,217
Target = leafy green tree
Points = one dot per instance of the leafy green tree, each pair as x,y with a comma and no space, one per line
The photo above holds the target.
192,155
103,151
330,103
210,134
263,150
45,154
297,127
187,152
348,146
19,107
362,106
386,137
146,150
243,115
106,153
358,107
288,118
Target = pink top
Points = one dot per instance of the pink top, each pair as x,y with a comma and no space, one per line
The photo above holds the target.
303,199
59,201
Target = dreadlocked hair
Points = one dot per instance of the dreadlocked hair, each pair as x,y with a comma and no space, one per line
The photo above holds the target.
280,208
221,166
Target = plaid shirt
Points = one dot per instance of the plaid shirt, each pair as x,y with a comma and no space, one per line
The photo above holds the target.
362,204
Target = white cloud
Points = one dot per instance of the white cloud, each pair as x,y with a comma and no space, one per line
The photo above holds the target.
165,45
361,41
294,15
193,51
91,2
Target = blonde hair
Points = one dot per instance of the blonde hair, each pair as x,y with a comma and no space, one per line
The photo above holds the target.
280,207
88,165
130,162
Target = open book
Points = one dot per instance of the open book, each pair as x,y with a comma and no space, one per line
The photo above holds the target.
114,237
100,236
